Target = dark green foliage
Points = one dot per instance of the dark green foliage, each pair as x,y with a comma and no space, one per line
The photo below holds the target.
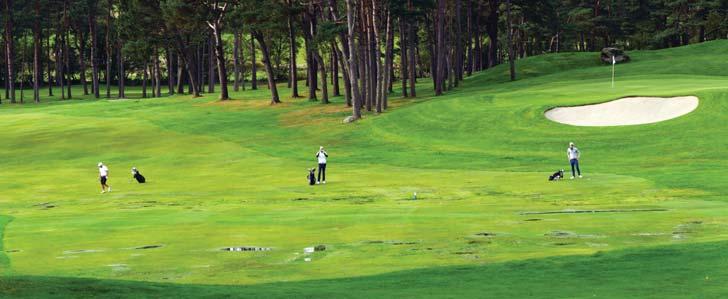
143,29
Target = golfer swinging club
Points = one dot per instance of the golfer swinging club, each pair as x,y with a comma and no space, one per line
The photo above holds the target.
573,153
321,155
103,176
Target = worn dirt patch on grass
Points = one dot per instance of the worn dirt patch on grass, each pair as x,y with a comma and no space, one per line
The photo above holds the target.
82,251
313,114
148,247
593,211
234,104
246,248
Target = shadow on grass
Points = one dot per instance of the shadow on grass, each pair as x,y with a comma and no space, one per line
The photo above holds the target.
676,271
4,260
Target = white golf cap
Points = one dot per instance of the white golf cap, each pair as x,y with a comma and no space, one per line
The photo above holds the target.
100,164
571,143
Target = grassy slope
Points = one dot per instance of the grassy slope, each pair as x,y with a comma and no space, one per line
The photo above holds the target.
678,271
225,174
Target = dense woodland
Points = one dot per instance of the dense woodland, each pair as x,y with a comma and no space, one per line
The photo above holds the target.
360,49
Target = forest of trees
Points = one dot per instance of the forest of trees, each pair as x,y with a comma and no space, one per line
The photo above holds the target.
360,49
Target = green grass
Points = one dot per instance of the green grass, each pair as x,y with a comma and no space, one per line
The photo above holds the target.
232,174
4,261
661,272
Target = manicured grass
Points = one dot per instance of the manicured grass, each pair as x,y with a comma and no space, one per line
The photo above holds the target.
660,272
233,174
4,261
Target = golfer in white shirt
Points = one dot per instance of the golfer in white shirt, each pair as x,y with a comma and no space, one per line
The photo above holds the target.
573,153
103,177
321,155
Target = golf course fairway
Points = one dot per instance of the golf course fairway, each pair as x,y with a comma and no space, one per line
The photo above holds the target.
649,219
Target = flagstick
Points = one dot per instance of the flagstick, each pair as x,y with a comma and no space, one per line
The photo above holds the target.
614,61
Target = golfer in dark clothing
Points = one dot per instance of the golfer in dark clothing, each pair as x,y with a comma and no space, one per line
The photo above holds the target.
321,155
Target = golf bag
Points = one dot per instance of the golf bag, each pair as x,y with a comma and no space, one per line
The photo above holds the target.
311,176
139,177
557,175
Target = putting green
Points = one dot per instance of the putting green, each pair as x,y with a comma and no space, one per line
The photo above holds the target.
233,174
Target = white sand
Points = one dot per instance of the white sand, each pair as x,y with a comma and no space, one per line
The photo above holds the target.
624,112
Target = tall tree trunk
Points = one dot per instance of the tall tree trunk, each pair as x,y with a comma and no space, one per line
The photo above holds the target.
335,71
221,68
24,42
2,70
254,66
364,69
469,40
236,60
365,59
181,69
242,62
37,71
268,67
152,79
81,40
211,48
431,43
144,78
342,55
458,61
293,72
345,73
324,87
391,77
108,50
94,62
403,73
188,63
311,66
202,67
50,53
356,96
380,86
511,52
493,33
171,70
439,74
122,70
157,74
478,39
412,44
60,69
388,61
67,60
200,70
9,50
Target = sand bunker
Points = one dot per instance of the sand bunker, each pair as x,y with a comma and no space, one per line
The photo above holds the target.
624,112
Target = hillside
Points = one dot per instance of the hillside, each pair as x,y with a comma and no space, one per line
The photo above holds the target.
225,174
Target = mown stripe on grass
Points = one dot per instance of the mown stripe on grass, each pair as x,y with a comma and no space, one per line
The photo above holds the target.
671,271
4,259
